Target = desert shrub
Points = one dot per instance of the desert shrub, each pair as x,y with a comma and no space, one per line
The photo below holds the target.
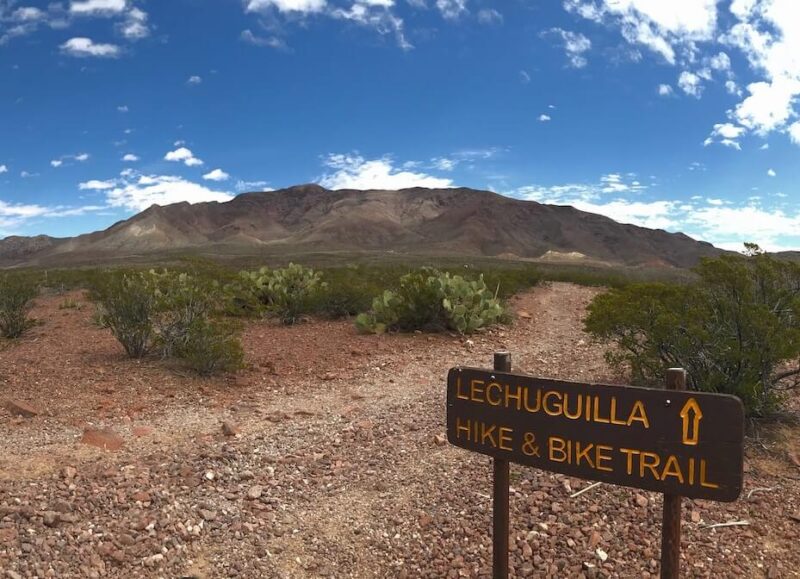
287,293
211,346
16,299
127,305
736,330
181,300
430,300
173,314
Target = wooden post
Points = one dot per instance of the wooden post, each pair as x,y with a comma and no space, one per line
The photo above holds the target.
671,523
500,526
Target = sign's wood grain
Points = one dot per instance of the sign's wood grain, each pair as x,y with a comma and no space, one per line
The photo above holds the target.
682,443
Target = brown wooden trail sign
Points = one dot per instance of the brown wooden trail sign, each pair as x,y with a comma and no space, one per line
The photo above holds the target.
682,444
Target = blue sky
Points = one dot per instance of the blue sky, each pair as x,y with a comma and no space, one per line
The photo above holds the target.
682,115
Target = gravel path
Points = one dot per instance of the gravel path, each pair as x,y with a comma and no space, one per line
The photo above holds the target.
333,464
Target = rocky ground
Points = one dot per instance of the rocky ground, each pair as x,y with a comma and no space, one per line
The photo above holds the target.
326,458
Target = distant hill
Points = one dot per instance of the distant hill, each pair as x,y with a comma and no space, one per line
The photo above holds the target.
309,218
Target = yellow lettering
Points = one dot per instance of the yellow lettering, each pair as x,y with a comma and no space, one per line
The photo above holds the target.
459,393
558,445
630,454
583,453
505,437
538,400
517,396
672,468
599,457
597,417
691,471
476,389
577,414
460,427
703,481
556,409
487,433
489,399
614,419
649,460
638,414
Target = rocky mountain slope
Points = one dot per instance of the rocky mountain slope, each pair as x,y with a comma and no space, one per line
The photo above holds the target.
411,221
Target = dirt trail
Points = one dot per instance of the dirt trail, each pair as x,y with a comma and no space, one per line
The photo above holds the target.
336,470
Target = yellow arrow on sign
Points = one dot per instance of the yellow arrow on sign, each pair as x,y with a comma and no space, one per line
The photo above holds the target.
691,425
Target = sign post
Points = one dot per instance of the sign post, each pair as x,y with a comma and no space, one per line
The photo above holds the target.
671,523
679,443
500,510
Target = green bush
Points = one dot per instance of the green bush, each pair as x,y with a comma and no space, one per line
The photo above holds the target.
170,313
16,299
430,300
736,330
287,293
127,305
211,346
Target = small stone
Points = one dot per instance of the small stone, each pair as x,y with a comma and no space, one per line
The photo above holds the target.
140,431
439,439
594,539
329,376
50,518
642,501
255,492
602,555
209,475
104,438
13,574
524,315
19,408
69,472
230,428
425,521
696,516
208,515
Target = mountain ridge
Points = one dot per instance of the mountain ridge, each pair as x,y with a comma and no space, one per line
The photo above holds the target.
419,221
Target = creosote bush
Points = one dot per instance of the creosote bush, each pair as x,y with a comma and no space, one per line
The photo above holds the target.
736,330
169,313
430,300
16,299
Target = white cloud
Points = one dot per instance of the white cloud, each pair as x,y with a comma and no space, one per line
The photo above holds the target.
130,158
80,157
726,134
489,16
123,108
183,155
665,90
717,202
375,14
544,118
731,226
216,175
766,32
764,147
271,41
136,192
452,9
355,172
97,7
445,164
771,173
720,61
135,26
3,169
194,79
794,132
298,6
96,185
661,26
524,77
575,44
252,186
85,47
691,84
